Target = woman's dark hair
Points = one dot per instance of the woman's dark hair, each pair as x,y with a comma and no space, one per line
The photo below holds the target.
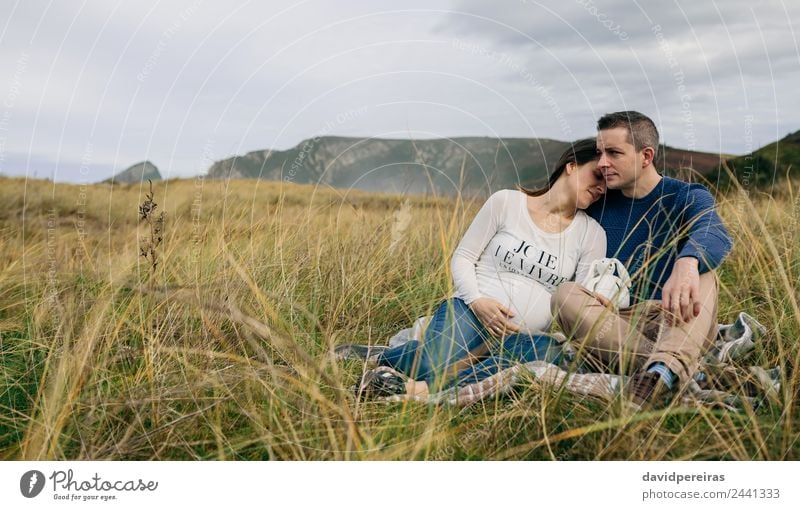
580,153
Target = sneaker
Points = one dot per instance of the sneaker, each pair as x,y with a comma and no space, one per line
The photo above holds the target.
643,389
381,383
766,383
366,353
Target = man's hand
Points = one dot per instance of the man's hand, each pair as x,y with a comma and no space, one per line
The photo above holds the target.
494,316
680,294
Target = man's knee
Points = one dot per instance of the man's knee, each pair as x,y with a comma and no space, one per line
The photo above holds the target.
566,300
709,285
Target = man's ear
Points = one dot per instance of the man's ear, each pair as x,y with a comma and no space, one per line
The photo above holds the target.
648,154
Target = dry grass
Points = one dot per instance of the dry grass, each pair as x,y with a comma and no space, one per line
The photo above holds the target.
222,351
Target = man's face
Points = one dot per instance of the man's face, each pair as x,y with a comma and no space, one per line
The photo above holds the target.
619,160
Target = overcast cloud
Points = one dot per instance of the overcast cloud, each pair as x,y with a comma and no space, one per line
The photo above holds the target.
89,89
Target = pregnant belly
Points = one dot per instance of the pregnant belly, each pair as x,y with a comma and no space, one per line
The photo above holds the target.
531,307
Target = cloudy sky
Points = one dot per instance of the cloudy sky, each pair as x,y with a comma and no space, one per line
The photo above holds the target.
89,88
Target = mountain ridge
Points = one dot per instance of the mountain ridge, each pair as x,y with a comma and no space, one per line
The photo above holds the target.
445,165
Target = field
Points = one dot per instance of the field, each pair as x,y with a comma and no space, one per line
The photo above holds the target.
222,349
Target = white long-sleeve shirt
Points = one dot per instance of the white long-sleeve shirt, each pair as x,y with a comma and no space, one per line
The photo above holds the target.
504,255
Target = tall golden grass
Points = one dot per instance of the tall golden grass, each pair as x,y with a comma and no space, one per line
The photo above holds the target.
223,351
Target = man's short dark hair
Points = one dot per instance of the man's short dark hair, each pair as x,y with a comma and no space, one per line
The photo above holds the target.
642,131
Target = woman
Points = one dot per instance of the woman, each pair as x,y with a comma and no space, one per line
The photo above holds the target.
521,245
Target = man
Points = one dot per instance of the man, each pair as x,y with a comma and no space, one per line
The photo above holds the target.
670,238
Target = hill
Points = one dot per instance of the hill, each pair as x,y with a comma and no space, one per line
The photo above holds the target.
766,165
137,173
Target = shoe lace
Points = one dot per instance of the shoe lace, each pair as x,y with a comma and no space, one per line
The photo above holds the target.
379,384
644,385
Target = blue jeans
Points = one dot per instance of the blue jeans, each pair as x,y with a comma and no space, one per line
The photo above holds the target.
457,349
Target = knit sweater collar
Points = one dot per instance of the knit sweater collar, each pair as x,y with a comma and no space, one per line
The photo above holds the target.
656,193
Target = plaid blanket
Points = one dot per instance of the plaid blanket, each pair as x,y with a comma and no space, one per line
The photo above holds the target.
720,380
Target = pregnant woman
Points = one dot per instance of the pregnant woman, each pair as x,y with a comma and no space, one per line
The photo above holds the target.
521,245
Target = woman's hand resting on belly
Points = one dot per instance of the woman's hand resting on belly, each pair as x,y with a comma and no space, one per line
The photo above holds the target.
494,316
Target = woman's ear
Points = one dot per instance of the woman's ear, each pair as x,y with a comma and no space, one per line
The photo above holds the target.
571,166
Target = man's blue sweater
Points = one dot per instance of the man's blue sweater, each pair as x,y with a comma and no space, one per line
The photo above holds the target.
676,219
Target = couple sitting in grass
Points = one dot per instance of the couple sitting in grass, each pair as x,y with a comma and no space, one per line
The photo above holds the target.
520,264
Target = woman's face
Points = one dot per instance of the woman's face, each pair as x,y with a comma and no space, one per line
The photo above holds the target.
588,184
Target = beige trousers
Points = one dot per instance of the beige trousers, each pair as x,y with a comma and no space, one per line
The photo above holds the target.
628,339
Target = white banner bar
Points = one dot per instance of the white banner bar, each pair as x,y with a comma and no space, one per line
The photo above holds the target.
401,485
